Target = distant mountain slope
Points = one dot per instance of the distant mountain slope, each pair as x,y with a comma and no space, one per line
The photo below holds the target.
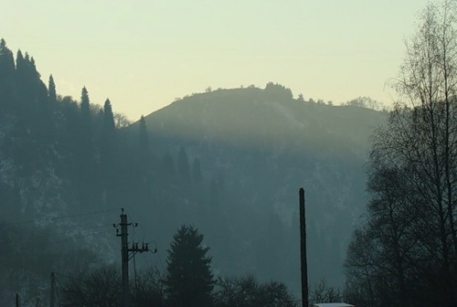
230,162
263,145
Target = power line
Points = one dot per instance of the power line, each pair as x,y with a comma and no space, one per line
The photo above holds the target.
54,242
32,238
62,217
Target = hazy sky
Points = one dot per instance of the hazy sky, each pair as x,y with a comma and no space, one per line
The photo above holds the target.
144,53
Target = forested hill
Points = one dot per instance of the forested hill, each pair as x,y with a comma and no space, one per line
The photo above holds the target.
230,162
254,148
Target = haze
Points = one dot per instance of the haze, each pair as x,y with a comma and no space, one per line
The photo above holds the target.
143,54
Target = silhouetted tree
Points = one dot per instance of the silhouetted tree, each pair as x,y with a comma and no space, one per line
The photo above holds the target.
107,144
85,111
52,90
7,74
149,289
409,253
321,293
101,288
108,118
278,92
247,292
189,278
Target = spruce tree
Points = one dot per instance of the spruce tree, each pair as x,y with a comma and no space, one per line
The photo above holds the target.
189,278
108,118
85,130
107,142
52,90
7,72
85,109
85,162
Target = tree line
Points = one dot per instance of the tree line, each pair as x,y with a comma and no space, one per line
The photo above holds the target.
187,282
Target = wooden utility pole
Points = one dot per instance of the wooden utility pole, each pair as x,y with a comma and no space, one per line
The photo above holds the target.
53,290
125,255
303,258
17,299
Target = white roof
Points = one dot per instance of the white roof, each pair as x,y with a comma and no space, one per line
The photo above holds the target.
333,305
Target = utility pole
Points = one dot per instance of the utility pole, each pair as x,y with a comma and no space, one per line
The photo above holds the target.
53,289
303,258
17,299
125,255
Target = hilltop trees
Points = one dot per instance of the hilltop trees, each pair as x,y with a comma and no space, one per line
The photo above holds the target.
7,72
278,91
406,254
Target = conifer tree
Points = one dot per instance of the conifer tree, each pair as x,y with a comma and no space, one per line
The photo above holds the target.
86,124
86,167
189,280
108,118
7,72
107,141
52,90
20,62
85,108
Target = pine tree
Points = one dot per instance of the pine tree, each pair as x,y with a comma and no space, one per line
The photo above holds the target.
107,142
7,72
85,109
189,280
108,118
85,130
85,162
52,90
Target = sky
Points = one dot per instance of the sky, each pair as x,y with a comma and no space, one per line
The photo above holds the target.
143,54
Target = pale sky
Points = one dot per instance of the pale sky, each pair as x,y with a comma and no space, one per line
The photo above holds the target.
144,53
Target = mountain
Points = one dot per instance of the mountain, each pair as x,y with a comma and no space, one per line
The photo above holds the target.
229,161
260,146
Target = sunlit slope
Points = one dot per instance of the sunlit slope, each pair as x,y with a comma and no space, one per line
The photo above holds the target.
264,147
250,117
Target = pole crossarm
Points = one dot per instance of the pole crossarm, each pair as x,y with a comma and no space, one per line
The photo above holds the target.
127,253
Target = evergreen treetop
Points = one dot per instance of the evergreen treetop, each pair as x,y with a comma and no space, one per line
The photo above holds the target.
189,280
52,90
108,122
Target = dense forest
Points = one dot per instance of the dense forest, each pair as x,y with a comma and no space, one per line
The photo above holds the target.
213,178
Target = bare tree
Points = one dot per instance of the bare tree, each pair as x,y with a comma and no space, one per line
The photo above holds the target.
100,288
247,292
411,228
322,293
